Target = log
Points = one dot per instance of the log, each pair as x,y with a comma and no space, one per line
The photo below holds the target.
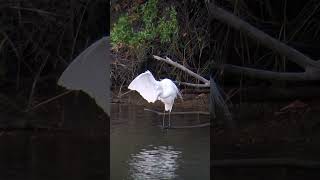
265,39
311,67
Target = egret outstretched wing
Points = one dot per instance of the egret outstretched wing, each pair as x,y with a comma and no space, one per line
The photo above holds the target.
146,85
89,72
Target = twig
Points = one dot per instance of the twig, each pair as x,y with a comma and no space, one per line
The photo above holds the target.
47,101
177,113
124,93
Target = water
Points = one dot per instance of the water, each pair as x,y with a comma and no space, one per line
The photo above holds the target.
140,149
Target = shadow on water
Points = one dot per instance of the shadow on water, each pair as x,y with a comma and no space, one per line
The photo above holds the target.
140,149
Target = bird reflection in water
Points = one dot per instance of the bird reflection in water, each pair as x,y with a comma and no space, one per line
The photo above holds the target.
156,163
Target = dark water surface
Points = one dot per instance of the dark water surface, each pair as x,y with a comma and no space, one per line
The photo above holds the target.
68,144
140,149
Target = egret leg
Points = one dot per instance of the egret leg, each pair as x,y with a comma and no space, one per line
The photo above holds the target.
169,120
164,114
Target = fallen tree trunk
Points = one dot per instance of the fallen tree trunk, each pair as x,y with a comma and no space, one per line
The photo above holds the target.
311,67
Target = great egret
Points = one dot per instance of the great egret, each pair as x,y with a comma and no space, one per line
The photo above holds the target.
151,90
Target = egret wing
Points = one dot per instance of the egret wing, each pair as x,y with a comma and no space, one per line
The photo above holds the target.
146,86
89,72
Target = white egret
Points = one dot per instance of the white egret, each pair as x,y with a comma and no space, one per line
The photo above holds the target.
151,90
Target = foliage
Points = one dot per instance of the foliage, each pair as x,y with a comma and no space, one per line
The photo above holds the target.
175,29
143,27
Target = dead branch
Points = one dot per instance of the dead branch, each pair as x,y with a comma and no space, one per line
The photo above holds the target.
270,42
311,67
175,64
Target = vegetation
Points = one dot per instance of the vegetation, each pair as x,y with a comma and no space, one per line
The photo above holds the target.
142,29
38,41
159,28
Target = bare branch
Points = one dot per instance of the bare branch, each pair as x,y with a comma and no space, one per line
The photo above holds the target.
175,64
270,42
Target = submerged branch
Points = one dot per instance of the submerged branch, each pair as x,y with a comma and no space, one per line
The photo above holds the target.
178,113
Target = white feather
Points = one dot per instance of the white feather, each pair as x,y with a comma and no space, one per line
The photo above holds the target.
146,86
151,90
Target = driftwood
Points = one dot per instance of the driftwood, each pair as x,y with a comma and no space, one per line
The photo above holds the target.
265,163
311,67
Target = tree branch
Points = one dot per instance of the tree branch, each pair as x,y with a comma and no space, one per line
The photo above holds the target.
270,42
175,64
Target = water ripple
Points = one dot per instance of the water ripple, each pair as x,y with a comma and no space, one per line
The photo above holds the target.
157,163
